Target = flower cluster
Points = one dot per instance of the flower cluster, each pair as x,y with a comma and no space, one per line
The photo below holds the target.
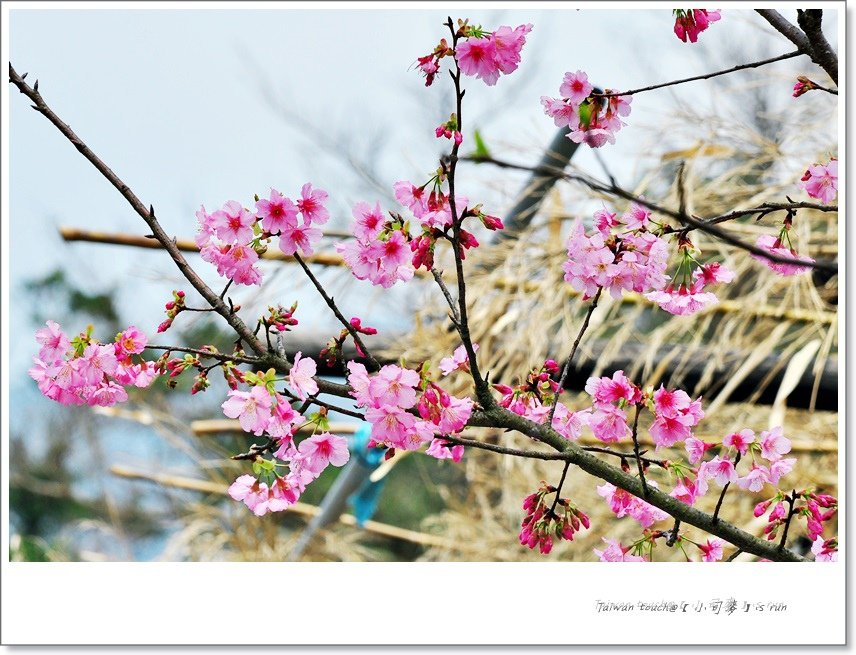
781,246
623,503
82,371
689,23
634,260
615,552
825,551
593,118
805,504
484,55
305,462
821,181
173,308
542,524
622,254
534,398
380,251
389,398
232,238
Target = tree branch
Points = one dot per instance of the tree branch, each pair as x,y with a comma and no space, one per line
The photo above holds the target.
706,76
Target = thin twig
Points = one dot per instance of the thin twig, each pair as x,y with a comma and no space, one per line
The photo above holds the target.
734,555
673,534
559,487
146,213
706,76
791,501
617,453
438,277
636,453
482,391
568,361
724,489
687,220
373,363
223,357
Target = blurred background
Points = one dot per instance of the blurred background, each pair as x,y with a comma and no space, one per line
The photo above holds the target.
193,107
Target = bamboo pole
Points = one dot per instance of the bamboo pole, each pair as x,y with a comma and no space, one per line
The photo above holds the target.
201,428
333,259
301,509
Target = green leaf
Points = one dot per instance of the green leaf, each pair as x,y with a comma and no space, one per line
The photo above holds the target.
481,150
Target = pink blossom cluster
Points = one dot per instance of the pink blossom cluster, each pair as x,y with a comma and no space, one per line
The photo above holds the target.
173,308
592,118
689,297
689,23
804,504
542,524
821,181
781,246
487,55
232,237
825,551
615,552
390,397
623,503
82,371
380,249
306,462
770,445
534,398
634,260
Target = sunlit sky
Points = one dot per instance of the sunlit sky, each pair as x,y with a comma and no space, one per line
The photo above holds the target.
200,106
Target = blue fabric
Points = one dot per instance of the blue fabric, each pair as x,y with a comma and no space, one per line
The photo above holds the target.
365,499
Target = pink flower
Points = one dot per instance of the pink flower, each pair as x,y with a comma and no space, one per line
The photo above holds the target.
129,342
390,424
825,551
623,503
55,344
477,57
692,22
282,495
359,381
686,491
668,430
609,424
775,247
322,449
637,217
412,197
487,56
821,181
755,480
311,205
569,424
394,385
254,493
252,409
740,440
774,444
780,468
721,470
696,449
615,552
368,222
803,85
97,361
670,402
301,238
439,449
277,213
300,377
711,550
605,390
507,44
682,301
233,223
713,273
576,88
459,361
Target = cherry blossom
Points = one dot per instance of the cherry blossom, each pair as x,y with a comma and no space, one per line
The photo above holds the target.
821,181
689,23
301,376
